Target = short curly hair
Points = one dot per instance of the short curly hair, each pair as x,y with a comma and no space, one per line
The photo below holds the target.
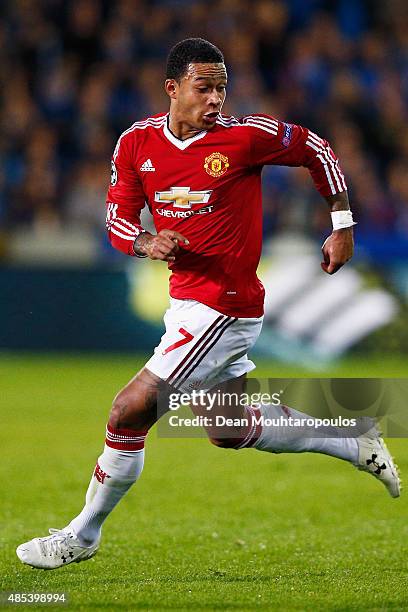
188,51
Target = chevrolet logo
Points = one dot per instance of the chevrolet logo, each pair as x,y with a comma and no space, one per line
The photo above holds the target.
182,197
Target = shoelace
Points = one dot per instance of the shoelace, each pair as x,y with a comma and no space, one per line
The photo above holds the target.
56,543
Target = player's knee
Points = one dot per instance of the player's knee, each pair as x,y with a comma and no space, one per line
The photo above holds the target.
118,409
124,411
135,406
225,442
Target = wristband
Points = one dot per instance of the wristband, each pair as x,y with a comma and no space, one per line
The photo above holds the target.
141,255
342,219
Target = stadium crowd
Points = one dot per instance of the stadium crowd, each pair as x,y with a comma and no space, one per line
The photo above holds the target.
75,73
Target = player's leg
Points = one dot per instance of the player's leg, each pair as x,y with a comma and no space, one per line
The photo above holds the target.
249,427
363,448
133,412
236,425
191,329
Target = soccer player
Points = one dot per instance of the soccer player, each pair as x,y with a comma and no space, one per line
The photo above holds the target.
199,172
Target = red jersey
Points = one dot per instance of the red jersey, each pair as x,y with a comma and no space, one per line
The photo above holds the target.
208,188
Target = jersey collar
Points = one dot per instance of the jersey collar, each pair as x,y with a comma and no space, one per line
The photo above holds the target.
181,144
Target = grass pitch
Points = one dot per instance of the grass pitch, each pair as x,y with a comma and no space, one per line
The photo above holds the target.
204,528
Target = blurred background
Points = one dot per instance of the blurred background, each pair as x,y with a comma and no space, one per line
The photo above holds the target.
75,74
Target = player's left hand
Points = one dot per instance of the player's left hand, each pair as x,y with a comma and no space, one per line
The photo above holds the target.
337,249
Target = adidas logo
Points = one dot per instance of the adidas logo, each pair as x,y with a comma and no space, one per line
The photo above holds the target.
147,166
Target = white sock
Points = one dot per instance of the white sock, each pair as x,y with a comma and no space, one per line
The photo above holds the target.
287,439
114,474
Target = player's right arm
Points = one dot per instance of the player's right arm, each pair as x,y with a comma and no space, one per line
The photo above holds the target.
124,203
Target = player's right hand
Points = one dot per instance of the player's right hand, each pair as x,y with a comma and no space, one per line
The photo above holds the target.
163,246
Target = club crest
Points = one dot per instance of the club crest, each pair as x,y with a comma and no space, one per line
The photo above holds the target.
216,164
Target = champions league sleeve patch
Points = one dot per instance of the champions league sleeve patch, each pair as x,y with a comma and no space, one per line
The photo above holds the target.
287,134
114,174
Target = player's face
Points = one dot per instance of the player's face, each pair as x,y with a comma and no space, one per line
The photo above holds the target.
200,95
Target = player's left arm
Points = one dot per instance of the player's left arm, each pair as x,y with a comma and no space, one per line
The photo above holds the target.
277,143
338,248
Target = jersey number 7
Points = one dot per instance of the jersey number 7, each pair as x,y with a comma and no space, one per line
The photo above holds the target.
187,338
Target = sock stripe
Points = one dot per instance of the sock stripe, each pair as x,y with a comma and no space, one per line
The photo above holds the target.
254,431
126,433
125,446
128,438
250,433
125,439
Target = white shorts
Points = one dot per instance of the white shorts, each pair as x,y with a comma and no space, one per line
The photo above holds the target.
202,347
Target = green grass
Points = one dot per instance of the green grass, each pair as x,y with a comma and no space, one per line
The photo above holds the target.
204,528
